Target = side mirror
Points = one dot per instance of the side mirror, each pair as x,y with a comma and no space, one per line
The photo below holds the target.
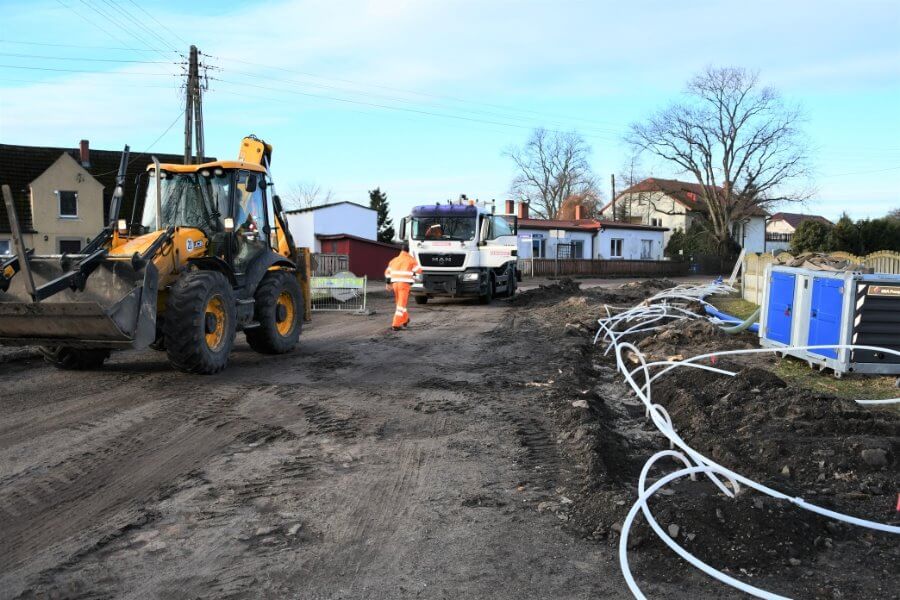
403,229
251,184
484,230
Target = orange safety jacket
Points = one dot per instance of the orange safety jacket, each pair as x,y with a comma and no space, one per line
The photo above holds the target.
402,269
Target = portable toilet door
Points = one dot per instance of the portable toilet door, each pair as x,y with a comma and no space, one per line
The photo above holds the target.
780,309
825,312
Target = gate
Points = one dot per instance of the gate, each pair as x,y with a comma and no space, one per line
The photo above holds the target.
329,264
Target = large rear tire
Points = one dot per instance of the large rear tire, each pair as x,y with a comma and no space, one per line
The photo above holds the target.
199,324
75,359
279,311
489,295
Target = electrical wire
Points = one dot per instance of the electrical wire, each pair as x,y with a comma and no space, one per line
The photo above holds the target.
81,58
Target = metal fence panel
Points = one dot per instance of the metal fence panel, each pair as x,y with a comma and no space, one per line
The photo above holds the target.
549,267
341,293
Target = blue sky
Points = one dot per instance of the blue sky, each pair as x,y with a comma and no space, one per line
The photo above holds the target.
420,98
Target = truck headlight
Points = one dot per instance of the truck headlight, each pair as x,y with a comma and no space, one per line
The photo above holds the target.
470,277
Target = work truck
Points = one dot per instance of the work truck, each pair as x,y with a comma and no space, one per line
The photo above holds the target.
465,250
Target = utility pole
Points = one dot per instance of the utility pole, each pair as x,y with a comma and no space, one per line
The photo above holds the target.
612,181
193,109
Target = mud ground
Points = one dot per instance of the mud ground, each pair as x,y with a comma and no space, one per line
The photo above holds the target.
366,464
447,461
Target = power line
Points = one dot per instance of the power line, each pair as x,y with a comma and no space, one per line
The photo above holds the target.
85,71
119,25
83,18
79,58
414,92
141,8
149,148
861,172
109,84
82,46
382,106
121,10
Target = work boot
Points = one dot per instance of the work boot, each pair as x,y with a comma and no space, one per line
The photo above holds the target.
396,328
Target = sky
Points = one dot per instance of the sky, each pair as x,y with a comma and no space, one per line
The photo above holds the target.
421,98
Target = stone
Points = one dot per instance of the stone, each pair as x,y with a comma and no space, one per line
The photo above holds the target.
794,562
673,530
786,471
294,529
547,506
261,531
580,404
875,457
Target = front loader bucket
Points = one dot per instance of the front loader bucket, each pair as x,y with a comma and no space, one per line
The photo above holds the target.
116,309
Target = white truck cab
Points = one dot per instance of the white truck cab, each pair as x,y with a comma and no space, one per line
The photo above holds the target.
465,250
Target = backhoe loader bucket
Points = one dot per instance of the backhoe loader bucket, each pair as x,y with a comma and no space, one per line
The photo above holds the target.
116,308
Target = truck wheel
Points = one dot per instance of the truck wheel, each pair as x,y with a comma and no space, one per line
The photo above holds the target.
511,283
75,359
279,312
200,322
421,299
489,295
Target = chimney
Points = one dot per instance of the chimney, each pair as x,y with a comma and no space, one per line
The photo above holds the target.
510,208
579,212
84,151
523,210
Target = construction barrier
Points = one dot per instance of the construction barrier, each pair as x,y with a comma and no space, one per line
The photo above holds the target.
341,292
581,267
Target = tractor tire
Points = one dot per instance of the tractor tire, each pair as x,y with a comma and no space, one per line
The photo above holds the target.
200,322
421,299
75,359
279,311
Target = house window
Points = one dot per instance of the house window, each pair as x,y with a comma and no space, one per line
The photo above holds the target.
68,204
656,222
646,249
69,246
537,249
615,247
4,247
578,249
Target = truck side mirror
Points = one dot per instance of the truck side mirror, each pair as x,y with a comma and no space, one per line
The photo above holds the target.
250,186
484,230
403,228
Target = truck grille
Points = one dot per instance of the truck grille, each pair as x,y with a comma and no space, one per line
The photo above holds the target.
441,260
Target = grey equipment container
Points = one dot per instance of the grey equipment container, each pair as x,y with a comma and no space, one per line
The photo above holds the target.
807,307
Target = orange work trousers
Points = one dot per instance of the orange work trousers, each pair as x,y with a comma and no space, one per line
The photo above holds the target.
401,296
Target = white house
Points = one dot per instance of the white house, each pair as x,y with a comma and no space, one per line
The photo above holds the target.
589,238
337,218
782,226
675,205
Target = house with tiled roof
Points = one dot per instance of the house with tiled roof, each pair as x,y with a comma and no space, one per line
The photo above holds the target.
675,205
62,195
586,238
782,226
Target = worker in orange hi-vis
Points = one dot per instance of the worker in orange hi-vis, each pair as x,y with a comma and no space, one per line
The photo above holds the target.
400,275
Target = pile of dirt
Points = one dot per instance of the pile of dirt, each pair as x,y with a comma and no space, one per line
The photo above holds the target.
831,452
547,294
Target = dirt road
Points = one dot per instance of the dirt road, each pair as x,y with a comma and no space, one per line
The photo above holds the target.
367,464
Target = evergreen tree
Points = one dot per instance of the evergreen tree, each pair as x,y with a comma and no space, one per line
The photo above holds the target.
378,201
844,236
811,236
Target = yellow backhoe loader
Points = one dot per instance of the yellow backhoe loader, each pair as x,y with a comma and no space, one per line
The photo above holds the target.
211,255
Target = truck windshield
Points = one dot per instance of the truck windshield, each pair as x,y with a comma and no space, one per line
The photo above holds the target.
188,200
443,228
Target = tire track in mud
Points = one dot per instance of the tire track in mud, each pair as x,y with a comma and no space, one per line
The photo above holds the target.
63,511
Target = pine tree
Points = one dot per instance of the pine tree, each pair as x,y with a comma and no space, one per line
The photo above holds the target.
378,201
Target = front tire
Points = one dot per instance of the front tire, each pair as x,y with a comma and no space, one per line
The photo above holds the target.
199,323
489,294
421,299
279,312
75,359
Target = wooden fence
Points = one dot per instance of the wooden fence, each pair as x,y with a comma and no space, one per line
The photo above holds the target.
329,264
754,269
576,267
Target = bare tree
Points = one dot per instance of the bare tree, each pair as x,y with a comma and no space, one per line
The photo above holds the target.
630,174
738,140
551,167
306,194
